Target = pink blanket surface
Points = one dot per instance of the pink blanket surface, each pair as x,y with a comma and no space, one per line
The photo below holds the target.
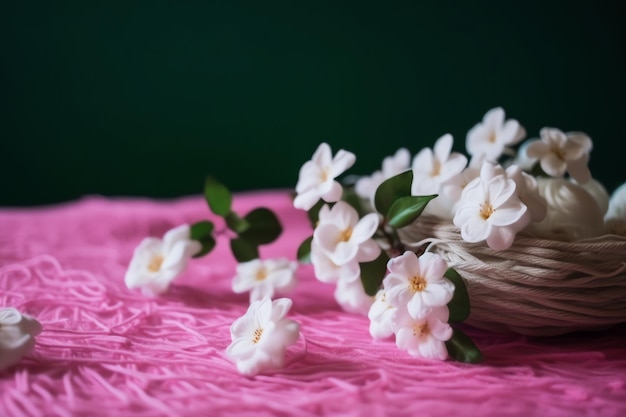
106,350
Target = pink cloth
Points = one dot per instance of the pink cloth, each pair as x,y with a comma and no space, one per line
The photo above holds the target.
106,350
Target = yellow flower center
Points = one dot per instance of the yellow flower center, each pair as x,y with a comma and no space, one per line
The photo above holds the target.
417,284
257,335
420,330
436,169
486,210
155,263
324,176
261,274
492,137
345,235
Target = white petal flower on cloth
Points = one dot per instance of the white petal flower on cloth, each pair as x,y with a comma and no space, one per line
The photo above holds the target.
393,165
328,271
418,283
261,336
490,209
558,152
351,296
265,277
424,337
573,213
157,262
317,177
382,315
17,335
615,218
432,168
343,237
491,137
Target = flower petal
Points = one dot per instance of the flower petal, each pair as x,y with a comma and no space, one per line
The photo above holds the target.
365,228
342,161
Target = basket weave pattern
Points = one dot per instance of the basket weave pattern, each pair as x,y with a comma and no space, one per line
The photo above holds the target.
537,287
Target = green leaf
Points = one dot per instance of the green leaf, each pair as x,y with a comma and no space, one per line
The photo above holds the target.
314,213
459,306
304,251
202,232
264,227
373,273
462,349
236,223
407,209
392,189
243,250
218,197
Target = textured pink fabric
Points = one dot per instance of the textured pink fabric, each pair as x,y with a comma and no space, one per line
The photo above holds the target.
106,350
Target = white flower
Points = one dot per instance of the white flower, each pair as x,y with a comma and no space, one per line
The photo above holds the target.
572,212
615,217
558,152
17,336
157,262
351,296
264,277
490,138
418,283
366,187
261,336
344,237
381,315
432,168
317,177
328,271
490,209
444,206
528,192
424,337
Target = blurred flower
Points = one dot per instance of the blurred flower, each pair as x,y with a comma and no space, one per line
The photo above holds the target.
490,209
351,296
366,187
317,177
558,152
424,337
343,237
572,212
418,283
261,336
381,315
432,168
264,277
490,138
157,262
17,336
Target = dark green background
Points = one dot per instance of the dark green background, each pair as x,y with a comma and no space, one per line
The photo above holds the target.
147,98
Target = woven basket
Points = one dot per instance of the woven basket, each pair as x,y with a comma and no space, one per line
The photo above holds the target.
537,287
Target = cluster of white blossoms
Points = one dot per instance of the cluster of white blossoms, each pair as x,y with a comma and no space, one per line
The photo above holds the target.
492,203
341,240
412,305
17,335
